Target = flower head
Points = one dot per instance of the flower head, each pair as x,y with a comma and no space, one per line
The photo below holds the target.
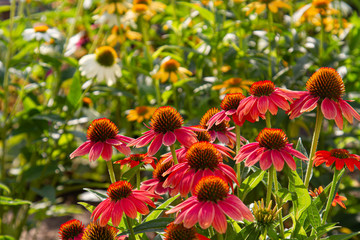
135,159
141,113
171,69
337,199
102,134
102,65
117,36
71,230
271,148
178,231
233,85
265,97
325,89
209,205
165,128
260,5
94,231
41,32
340,157
113,6
265,216
122,199
202,159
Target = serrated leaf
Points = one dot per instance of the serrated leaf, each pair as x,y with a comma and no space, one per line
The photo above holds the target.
88,207
251,182
156,225
156,212
101,196
7,201
313,215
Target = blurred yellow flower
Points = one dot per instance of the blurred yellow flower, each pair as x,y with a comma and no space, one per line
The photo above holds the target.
171,69
234,85
140,114
313,12
115,36
260,5
147,8
113,6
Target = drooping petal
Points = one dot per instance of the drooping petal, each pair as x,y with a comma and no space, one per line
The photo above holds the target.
82,149
123,149
265,161
96,151
328,108
128,207
219,222
206,215
169,138
116,214
263,104
107,152
277,160
155,145
288,159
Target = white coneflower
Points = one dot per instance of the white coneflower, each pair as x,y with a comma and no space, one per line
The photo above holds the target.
41,32
102,65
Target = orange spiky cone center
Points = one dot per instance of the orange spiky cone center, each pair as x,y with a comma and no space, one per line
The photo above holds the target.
119,190
202,136
71,229
272,138
211,188
161,168
179,232
218,128
231,101
95,232
262,88
166,119
101,129
203,155
340,153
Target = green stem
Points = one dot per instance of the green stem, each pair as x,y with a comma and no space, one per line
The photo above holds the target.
78,14
176,104
330,197
318,124
97,39
111,171
173,153
132,234
219,236
322,38
268,119
270,31
138,179
269,186
276,185
157,91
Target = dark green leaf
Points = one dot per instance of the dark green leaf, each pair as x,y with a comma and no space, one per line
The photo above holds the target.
156,212
156,225
7,201
98,194
89,207
251,182
131,172
75,91
46,192
343,236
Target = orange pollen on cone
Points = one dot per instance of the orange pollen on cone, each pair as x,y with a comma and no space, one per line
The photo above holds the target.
272,138
171,65
179,232
340,153
211,188
146,2
101,129
95,231
262,88
166,119
119,190
203,155
161,168
41,28
326,83
218,128
71,229
231,101
202,136
323,4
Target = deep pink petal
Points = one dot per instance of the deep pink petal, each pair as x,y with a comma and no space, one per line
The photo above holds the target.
155,145
185,137
310,104
288,159
191,217
96,151
206,215
339,117
106,215
328,108
116,214
277,160
219,222
100,208
190,201
245,211
123,149
280,101
107,152
82,149
348,111
230,210
263,104
265,161
140,206
169,138
113,141
128,207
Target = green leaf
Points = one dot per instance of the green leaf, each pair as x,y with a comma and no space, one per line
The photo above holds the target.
75,91
156,212
7,201
285,195
343,236
251,182
272,234
98,194
5,188
206,14
131,172
301,166
249,232
156,225
88,207
6,237
325,228
313,215
48,192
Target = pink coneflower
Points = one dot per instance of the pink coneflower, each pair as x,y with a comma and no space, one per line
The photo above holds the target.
94,231
135,159
229,105
209,205
202,159
178,231
340,157
165,128
102,134
271,148
221,131
155,185
71,230
122,199
265,97
337,199
325,89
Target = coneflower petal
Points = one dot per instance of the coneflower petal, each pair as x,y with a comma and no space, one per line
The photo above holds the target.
206,215
107,152
82,149
219,222
169,138
96,151
328,108
155,145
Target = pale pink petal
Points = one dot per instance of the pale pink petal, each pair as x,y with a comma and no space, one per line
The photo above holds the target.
310,104
348,111
214,119
206,215
113,141
155,145
277,160
169,138
82,149
328,108
219,222
230,112
96,151
123,149
222,137
107,152
263,104
288,159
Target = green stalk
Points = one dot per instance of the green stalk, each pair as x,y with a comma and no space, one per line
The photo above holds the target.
330,197
219,236
132,234
270,31
176,104
173,153
268,119
269,186
322,38
96,41
138,179
318,124
78,14
111,171
282,234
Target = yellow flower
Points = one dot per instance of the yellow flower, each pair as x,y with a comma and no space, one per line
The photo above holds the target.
171,69
112,6
141,113
260,5
147,8
115,36
234,85
216,3
313,12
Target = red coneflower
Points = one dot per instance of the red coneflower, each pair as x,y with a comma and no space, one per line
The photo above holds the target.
135,159
102,134
338,156
202,159
122,198
265,97
178,231
209,205
271,148
71,230
165,128
96,232
337,199
325,89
